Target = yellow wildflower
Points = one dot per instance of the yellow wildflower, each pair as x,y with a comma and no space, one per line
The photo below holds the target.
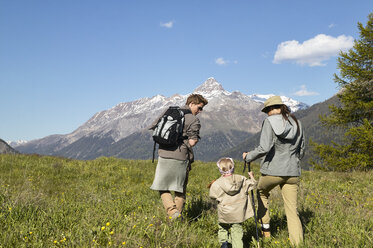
123,243
150,225
102,228
107,223
112,232
55,241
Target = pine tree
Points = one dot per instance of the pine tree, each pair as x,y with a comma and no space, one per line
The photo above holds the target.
355,114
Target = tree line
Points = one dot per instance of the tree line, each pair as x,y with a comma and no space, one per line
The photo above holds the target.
354,151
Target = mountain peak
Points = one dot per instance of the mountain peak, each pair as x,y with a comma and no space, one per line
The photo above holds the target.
209,86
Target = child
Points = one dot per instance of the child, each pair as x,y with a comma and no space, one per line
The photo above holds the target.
234,206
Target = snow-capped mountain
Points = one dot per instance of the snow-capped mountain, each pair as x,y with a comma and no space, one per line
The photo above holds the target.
227,114
294,105
5,148
17,143
211,89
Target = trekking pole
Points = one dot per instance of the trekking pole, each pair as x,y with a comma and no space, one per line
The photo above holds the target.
253,203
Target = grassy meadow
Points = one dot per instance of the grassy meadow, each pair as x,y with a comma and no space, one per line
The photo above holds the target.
57,202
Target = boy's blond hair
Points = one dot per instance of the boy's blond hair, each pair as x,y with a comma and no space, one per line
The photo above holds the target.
226,165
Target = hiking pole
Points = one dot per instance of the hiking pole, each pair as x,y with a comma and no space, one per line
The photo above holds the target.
253,203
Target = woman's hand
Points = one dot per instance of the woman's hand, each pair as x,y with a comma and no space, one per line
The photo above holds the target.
244,155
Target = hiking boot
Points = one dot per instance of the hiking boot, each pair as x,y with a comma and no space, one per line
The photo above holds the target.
176,215
224,245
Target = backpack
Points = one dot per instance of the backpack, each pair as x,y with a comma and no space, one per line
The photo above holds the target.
168,131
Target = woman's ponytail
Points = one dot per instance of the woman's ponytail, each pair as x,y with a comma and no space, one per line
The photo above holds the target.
285,111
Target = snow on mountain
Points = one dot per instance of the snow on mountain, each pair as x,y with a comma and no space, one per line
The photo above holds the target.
260,98
211,89
128,117
294,105
225,111
17,143
5,148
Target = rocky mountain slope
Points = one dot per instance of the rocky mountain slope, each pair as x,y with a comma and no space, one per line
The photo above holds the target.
5,148
121,131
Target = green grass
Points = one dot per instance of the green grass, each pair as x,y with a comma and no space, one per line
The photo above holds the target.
56,202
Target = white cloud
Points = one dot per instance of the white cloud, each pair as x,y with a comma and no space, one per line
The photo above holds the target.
221,61
169,24
312,52
304,92
332,25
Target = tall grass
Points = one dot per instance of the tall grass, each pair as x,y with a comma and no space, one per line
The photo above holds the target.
56,202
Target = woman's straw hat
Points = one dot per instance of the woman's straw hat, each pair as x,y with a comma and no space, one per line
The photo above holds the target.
273,100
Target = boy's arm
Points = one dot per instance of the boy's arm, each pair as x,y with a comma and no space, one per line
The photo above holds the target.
251,183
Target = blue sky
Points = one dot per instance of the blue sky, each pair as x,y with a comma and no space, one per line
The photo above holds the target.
63,61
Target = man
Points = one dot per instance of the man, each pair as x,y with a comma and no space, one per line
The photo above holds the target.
174,163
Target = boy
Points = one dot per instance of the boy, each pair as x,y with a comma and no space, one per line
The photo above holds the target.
234,206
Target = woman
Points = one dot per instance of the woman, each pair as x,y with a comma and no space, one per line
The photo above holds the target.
282,146
174,163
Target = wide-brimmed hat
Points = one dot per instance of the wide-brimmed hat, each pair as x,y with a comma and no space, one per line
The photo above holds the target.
273,100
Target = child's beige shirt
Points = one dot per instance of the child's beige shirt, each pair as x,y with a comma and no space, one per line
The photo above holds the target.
232,195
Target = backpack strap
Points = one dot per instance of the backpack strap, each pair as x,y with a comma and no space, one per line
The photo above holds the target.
186,111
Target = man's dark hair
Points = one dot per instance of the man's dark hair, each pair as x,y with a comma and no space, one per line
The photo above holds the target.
196,99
